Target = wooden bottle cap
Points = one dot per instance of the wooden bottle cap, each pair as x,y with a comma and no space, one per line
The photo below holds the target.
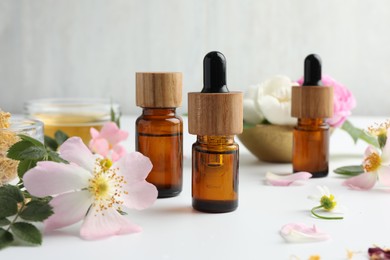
159,89
215,113
312,102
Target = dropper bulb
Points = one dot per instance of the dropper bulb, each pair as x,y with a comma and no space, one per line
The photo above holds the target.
312,71
214,73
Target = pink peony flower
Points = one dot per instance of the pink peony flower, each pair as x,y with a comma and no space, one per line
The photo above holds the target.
90,188
106,142
343,101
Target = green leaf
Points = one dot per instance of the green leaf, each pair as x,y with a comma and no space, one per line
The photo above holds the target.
31,140
27,232
11,191
8,206
24,166
33,153
4,222
382,138
15,150
60,137
357,133
55,157
114,119
350,170
36,210
6,238
51,143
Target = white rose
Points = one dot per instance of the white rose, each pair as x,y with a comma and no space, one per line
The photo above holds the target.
270,100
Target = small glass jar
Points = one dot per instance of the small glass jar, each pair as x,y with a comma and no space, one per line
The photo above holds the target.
8,137
73,116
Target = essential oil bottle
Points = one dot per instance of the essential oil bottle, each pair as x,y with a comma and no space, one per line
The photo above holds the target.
159,131
215,115
311,103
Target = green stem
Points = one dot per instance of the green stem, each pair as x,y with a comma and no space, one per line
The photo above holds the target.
322,217
16,216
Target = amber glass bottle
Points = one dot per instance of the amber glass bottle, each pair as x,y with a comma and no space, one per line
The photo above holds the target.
159,131
311,143
215,116
215,174
311,104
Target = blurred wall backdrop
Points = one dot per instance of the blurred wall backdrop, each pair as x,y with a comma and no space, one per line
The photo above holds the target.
82,48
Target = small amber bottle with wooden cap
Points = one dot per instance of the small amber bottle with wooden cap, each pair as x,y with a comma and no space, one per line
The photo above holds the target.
159,131
215,116
311,104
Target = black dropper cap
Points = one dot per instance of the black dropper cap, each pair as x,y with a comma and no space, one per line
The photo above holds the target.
214,73
312,71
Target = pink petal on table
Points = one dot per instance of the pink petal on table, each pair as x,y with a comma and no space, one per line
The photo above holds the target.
285,180
364,181
301,233
101,224
74,150
51,178
68,208
140,195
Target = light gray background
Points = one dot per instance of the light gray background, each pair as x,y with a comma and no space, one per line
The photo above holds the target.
82,48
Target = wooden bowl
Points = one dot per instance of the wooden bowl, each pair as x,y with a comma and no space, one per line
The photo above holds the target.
270,143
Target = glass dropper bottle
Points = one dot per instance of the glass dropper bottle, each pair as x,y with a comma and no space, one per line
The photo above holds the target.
311,103
215,116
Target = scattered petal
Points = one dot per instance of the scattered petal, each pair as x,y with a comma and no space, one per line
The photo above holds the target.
285,180
301,233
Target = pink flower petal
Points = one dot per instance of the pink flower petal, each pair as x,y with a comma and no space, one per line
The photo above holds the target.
69,208
364,181
94,132
384,175
285,180
113,134
100,146
118,152
140,195
74,150
97,226
51,178
301,233
134,166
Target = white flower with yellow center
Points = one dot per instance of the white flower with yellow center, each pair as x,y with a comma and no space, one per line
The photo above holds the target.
92,188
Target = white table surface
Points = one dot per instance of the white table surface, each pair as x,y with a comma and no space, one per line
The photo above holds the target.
173,230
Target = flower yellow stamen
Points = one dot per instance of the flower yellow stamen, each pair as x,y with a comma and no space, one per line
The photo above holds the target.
105,164
379,129
372,162
328,203
106,186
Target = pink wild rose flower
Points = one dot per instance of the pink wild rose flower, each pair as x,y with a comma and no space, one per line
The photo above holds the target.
106,142
92,189
343,101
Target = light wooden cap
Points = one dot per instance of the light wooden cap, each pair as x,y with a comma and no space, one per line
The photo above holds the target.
159,89
215,113
312,102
